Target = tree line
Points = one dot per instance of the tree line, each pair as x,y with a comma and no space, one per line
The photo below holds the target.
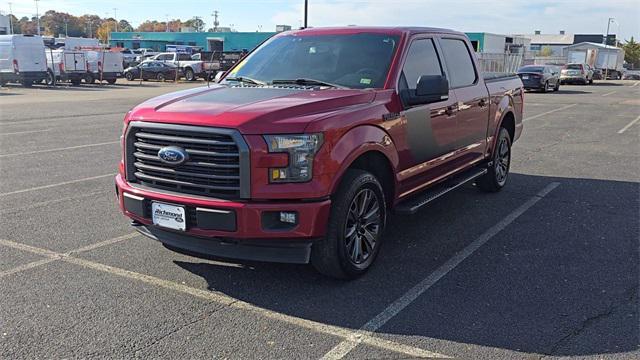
53,23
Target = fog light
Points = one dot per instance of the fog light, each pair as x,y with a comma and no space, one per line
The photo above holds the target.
288,217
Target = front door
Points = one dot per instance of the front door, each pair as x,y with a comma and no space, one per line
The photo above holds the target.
430,129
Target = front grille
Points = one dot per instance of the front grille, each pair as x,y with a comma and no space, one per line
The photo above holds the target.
217,166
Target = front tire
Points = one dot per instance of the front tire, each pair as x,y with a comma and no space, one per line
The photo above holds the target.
496,178
354,235
160,77
129,76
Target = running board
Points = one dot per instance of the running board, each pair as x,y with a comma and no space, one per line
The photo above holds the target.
412,205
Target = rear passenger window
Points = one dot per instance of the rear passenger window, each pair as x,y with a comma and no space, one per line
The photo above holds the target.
459,63
422,59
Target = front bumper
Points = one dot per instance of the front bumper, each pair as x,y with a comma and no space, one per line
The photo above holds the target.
235,229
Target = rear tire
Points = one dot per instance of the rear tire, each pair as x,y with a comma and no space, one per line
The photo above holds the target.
546,87
50,80
160,77
111,81
557,86
356,223
89,79
496,178
189,75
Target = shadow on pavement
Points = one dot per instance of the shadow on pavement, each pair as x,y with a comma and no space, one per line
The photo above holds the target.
562,279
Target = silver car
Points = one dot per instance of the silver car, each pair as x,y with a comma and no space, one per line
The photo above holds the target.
576,73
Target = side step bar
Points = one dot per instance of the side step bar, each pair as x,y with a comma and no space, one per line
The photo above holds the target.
412,205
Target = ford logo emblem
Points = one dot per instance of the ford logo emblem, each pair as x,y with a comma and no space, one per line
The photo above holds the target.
173,155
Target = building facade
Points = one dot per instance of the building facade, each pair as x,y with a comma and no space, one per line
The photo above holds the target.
208,41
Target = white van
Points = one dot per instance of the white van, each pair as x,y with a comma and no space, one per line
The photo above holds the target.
105,65
66,65
22,59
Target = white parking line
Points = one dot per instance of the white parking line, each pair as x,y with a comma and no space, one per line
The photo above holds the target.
58,184
636,84
52,256
84,117
629,125
25,132
332,330
549,112
60,149
609,93
342,349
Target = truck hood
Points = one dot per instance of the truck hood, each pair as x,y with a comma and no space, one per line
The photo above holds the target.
251,110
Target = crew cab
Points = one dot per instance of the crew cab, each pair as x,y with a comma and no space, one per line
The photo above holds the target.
192,69
305,146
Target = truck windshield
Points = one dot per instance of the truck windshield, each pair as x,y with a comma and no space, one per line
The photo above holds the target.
353,60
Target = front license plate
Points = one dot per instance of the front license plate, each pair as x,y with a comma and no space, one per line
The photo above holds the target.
525,77
168,216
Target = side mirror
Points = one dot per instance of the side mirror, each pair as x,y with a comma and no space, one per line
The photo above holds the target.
218,76
430,89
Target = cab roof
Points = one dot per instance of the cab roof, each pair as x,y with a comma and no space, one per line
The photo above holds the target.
391,30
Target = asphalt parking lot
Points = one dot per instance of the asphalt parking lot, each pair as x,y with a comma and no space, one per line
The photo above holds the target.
548,267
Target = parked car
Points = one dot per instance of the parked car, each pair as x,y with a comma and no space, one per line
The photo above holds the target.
192,69
631,75
151,70
22,59
305,147
576,73
540,77
145,53
129,56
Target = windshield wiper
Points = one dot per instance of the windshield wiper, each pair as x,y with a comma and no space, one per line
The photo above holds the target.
305,81
246,80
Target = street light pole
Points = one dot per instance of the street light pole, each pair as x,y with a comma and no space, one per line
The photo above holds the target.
10,19
606,59
306,12
115,17
37,16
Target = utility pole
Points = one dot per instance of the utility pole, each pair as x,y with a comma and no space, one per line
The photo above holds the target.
115,17
10,19
604,42
306,12
37,16
197,18
166,16
66,27
215,20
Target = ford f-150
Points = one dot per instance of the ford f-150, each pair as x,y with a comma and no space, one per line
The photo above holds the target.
303,148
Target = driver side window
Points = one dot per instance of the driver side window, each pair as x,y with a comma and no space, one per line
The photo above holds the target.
422,59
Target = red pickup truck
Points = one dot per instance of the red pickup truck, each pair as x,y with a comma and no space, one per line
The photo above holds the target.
302,149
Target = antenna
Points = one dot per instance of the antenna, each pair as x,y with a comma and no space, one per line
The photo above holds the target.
215,20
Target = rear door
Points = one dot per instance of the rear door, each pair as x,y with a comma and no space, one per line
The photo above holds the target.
472,98
30,55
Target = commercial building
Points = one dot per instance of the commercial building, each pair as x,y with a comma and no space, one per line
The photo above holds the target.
5,25
557,43
209,41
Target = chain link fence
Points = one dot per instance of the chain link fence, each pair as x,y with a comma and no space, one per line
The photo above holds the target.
499,62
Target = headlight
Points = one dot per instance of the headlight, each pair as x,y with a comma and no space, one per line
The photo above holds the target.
301,149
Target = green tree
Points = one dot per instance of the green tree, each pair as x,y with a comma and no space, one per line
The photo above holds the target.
124,26
632,52
546,51
196,23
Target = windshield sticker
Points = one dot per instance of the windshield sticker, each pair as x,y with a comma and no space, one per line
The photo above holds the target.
365,81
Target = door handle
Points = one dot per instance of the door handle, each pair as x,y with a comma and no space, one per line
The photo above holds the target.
451,109
482,103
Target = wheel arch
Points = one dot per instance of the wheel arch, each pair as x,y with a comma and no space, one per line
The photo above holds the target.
376,154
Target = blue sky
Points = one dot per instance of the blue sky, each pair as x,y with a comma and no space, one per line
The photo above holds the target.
497,16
